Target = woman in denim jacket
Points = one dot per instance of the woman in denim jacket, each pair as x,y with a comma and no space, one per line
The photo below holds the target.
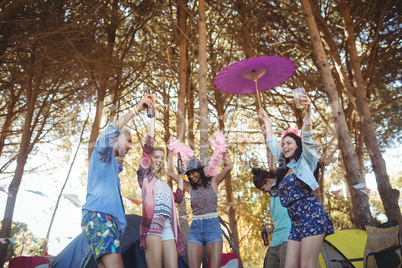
295,184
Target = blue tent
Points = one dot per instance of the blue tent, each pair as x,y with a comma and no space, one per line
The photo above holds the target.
78,250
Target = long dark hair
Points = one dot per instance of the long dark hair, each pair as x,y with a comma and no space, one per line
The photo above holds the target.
204,179
283,161
261,176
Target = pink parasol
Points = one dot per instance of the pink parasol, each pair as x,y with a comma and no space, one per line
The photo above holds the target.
254,75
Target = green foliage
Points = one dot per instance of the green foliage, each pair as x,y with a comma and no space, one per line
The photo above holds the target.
25,244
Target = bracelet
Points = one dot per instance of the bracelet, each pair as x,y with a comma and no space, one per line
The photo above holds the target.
135,111
307,125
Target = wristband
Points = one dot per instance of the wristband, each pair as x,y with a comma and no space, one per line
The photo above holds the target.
307,125
134,111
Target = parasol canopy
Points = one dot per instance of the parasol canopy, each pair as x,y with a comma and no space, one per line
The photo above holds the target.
254,74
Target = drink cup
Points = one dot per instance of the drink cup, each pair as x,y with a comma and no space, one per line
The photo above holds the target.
296,96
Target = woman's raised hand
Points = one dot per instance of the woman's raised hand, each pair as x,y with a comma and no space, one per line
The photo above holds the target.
267,127
305,100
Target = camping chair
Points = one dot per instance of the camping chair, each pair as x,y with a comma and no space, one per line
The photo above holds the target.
383,246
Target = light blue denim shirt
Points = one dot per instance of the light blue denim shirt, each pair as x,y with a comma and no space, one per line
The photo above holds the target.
103,190
304,167
281,221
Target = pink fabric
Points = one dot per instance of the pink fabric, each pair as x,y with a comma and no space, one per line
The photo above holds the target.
226,257
220,148
291,130
147,182
27,262
177,147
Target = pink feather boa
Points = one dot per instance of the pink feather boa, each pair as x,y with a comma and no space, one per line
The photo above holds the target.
177,147
220,148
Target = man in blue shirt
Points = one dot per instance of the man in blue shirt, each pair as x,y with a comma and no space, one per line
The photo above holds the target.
276,255
103,217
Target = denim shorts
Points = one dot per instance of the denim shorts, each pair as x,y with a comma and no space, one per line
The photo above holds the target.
101,233
160,226
205,232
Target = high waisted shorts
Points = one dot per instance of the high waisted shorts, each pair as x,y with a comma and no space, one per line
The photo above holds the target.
205,232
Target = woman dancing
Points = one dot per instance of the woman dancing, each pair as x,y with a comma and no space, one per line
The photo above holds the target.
205,229
159,231
296,180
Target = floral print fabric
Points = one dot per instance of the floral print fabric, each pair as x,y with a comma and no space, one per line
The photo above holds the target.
308,216
204,200
291,189
101,233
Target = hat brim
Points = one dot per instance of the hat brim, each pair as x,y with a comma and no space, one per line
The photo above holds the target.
201,167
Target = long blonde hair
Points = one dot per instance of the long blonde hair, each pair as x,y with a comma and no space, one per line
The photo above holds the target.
161,171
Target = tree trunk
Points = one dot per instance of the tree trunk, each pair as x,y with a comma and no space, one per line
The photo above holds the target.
202,81
202,93
345,141
181,113
23,153
350,193
389,196
228,181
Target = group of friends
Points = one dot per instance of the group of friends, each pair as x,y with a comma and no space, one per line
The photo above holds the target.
300,221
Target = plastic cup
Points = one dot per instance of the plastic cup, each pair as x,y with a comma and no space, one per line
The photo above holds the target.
296,96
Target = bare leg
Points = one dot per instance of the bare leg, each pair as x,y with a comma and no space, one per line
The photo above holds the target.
169,254
111,260
293,254
153,253
214,253
195,254
310,249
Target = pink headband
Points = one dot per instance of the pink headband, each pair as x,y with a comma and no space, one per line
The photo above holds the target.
291,130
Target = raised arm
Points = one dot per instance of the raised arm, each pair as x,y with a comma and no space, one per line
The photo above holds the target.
272,142
149,145
228,166
181,183
144,170
309,151
305,100
267,122
142,105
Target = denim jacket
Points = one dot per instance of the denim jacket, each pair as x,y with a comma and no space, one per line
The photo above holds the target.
103,190
304,167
